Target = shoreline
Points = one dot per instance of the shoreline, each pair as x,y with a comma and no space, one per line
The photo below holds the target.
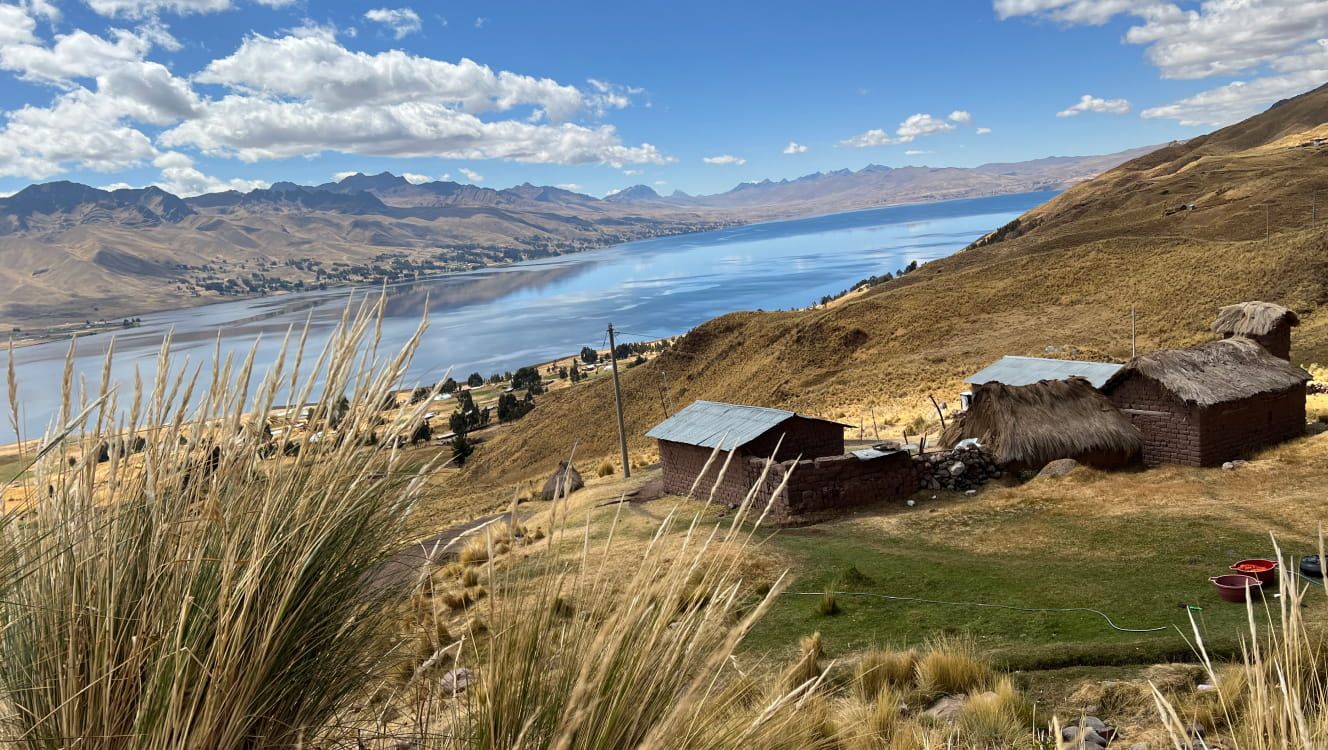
66,331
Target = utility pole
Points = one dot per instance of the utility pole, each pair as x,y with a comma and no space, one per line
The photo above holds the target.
1134,349
1267,221
617,400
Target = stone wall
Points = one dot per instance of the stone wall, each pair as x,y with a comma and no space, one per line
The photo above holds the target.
960,469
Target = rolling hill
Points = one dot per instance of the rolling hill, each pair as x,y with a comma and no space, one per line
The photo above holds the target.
70,252
1172,235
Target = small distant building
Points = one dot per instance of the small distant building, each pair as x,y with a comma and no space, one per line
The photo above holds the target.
1029,426
1265,322
1210,403
688,439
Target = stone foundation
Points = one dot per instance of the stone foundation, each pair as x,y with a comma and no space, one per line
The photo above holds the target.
960,469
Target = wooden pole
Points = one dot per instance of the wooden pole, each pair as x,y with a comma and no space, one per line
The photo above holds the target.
876,429
617,402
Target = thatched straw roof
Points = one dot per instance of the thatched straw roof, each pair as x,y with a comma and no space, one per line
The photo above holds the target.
1039,423
562,482
1252,319
1216,372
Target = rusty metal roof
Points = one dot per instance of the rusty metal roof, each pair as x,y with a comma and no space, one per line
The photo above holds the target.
710,423
1029,370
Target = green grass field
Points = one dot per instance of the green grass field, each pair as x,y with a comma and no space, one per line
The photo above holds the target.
1142,574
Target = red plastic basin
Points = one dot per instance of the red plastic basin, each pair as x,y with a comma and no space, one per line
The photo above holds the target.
1264,570
1236,587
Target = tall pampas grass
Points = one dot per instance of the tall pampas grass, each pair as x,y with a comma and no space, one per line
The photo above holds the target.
190,590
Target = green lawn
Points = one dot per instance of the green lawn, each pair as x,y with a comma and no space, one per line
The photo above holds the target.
1141,569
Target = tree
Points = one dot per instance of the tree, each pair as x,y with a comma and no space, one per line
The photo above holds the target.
448,386
589,356
622,351
461,449
511,409
562,373
422,434
419,394
475,380
528,378
575,374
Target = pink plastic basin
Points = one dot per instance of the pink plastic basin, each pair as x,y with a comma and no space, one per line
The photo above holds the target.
1236,587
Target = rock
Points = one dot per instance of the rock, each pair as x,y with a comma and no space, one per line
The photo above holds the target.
1089,736
957,468
971,493
1094,723
455,680
912,502
1139,746
1196,730
1228,466
947,708
1059,468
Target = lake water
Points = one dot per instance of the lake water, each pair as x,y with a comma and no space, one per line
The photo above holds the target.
501,318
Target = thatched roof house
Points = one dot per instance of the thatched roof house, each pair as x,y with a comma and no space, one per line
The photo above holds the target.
561,483
1265,322
1210,403
1033,425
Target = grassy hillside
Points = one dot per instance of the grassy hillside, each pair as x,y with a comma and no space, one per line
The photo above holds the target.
1061,279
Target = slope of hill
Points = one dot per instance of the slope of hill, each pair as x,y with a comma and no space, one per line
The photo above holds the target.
70,252
1174,235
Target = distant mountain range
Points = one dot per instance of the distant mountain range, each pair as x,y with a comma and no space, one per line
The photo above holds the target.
70,252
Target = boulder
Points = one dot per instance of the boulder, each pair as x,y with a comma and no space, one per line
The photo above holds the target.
947,708
455,681
1059,468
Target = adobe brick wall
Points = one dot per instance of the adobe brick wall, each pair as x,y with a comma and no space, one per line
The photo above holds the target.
1230,431
807,438
1170,427
681,464
1178,433
829,486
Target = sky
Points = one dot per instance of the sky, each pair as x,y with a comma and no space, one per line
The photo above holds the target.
203,95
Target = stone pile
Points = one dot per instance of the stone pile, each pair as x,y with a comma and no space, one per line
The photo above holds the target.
960,469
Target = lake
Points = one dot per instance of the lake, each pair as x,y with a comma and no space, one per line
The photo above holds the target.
498,319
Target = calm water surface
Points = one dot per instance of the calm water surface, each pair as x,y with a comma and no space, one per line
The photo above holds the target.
501,318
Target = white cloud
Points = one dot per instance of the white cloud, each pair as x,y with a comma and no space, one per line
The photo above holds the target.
568,186
661,182
339,176
983,131
608,96
401,21
16,26
633,172
916,152
416,179
1273,43
794,147
908,131
1089,103
117,186
725,160
152,8
962,117
179,176
298,95
479,22
471,175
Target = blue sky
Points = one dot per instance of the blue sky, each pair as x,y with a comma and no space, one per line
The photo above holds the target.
200,95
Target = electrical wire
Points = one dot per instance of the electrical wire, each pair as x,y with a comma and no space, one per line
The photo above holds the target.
983,605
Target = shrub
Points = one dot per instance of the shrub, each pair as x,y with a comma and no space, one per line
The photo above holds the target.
606,469
951,666
879,670
827,605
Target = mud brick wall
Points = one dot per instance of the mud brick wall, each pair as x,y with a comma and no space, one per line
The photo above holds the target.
1179,433
1230,431
806,438
830,486
682,464
1170,426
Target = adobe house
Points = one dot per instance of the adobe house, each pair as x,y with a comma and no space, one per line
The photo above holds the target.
688,438
1210,403
1265,322
1029,426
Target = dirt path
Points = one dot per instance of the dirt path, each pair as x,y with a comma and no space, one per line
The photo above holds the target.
412,561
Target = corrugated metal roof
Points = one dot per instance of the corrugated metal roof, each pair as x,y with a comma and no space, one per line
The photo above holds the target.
708,423
1029,370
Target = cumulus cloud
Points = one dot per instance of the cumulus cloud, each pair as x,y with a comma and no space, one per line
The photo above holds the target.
568,186
1089,103
151,8
983,131
416,179
181,177
402,22
471,175
794,147
916,126
605,96
16,26
725,160
1272,43
916,152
